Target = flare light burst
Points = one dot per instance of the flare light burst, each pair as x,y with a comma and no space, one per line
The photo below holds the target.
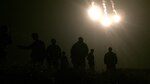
97,14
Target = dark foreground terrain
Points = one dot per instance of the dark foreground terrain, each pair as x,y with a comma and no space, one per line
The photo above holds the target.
27,75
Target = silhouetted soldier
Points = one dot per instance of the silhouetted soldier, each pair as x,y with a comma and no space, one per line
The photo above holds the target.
54,54
5,40
64,61
90,59
110,60
78,53
38,50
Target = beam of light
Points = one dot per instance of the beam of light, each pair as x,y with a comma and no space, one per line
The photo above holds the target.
105,21
94,12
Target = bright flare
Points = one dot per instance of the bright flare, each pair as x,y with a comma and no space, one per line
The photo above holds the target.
116,18
106,21
94,12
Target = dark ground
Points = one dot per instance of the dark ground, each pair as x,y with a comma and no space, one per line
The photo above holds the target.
26,75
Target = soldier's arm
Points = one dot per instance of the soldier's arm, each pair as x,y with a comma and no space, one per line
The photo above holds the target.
25,47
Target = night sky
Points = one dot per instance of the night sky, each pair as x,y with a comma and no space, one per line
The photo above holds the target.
66,20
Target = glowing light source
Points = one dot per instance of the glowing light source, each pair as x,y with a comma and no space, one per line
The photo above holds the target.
106,21
103,16
116,18
94,12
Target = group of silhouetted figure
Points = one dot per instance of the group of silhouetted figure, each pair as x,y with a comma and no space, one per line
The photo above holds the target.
56,58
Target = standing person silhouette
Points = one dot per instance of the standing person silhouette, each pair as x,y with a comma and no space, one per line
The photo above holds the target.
64,61
53,55
38,51
5,40
78,53
110,59
90,59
